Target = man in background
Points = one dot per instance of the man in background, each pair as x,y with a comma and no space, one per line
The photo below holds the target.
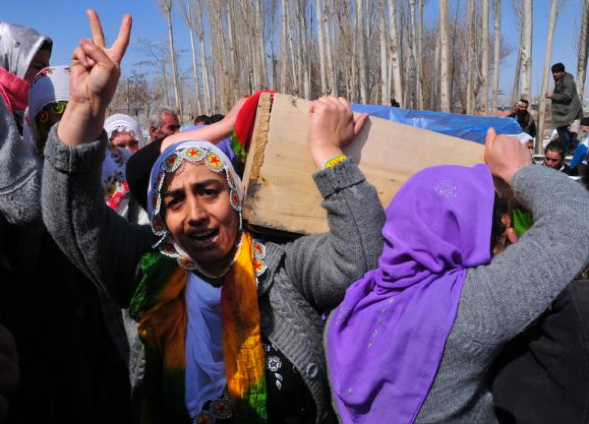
524,118
163,122
566,105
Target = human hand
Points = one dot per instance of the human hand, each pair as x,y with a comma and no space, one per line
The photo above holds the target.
95,72
548,95
505,155
332,127
508,237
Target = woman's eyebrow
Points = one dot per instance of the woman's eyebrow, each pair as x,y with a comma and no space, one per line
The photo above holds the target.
199,185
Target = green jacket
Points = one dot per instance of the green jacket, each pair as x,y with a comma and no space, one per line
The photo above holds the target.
566,105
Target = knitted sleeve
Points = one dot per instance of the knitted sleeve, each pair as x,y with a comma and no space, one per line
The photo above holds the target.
323,266
102,244
20,189
501,299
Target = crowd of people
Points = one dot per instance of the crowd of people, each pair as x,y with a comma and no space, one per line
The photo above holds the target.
132,289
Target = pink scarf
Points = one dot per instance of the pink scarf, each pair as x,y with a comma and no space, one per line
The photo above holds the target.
14,91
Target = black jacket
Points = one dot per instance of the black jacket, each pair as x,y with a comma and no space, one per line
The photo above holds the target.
542,377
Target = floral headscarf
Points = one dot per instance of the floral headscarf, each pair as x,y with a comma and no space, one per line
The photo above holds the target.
168,162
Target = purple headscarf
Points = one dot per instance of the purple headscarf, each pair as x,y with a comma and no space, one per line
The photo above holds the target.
386,340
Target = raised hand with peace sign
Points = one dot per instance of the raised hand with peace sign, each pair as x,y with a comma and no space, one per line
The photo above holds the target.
94,75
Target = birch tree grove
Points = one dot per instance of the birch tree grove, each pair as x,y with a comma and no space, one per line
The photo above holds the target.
430,55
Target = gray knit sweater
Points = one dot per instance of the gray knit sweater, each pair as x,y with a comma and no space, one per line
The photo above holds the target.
19,174
501,299
304,277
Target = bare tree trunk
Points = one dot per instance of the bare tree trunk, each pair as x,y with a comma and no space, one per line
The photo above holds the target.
294,87
165,7
485,59
383,52
394,49
362,56
304,49
435,86
444,58
583,48
470,40
321,43
412,71
545,74
188,16
496,56
527,49
260,50
328,52
203,57
419,56
220,51
283,58
518,66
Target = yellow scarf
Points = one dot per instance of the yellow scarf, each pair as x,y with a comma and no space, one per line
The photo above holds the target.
162,327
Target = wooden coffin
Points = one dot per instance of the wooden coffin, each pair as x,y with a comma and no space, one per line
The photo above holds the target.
281,195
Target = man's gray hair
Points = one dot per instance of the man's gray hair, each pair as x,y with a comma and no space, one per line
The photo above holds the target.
155,119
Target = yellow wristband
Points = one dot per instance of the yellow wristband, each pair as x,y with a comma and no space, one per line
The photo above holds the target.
334,161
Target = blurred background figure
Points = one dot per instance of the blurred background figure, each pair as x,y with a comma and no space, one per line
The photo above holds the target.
23,52
123,131
554,157
163,122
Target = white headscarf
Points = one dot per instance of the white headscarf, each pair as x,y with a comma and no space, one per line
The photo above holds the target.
121,122
51,85
18,47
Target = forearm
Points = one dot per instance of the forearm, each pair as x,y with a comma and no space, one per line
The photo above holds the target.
100,243
503,298
325,265
213,133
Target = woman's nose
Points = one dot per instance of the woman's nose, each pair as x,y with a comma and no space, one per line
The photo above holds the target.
196,211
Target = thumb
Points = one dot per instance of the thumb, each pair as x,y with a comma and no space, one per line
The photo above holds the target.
96,54
511,235
489,140
359,123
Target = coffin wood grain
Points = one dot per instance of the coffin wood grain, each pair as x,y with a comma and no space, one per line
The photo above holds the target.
281,194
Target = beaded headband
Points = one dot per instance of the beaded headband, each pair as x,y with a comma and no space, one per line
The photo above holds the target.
169,162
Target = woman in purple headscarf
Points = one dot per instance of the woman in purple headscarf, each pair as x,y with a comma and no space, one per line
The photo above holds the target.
413,340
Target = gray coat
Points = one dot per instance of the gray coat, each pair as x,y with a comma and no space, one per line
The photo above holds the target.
304,277
20,177
566,105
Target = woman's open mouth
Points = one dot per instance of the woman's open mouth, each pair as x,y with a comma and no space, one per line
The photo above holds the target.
204,238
